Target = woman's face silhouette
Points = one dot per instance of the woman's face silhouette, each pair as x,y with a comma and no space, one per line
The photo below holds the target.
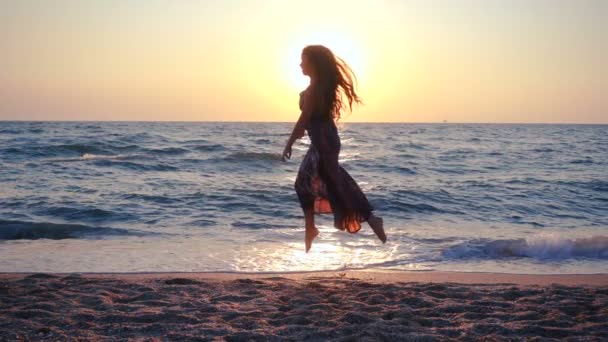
306,65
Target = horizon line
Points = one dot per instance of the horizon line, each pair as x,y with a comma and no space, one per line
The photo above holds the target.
354,122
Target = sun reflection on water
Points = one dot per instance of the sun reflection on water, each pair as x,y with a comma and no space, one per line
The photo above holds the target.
332,250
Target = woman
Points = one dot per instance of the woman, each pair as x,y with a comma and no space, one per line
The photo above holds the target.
322,185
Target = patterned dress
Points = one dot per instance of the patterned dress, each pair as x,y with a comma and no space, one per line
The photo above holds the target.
322,184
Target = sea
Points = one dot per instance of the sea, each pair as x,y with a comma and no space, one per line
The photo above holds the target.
216,196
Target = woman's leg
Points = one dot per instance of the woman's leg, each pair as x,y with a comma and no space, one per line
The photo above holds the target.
377,225
311,230
306,195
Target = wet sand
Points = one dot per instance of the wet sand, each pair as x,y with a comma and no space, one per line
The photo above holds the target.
316,306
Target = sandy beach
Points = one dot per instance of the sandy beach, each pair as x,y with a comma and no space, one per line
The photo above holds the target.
316,306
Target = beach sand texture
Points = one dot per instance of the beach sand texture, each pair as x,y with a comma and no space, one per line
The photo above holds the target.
352,305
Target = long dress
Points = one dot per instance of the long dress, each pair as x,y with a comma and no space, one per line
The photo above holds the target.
324,185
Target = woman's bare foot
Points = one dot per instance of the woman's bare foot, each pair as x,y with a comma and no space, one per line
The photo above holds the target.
310,235
377,225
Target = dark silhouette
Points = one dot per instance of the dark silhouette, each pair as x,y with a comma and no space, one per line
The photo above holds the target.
322,185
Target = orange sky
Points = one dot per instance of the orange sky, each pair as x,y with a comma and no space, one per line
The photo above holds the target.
417,61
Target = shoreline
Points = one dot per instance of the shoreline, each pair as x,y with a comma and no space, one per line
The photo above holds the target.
373,275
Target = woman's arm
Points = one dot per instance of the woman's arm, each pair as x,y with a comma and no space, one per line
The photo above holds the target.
298,129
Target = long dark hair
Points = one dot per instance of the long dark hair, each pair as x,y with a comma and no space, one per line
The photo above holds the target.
336,81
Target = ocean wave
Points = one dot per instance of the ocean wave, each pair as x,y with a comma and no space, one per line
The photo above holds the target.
257,225
90,148
525,181
88,214
86,150
406,156
543,150
599,185
207,147
123,148
541,246
404,170
11,131
253,156
167,151
595,185
454,171
395,204
133,166
21,230
587,160
91,156
411,145
376,165
152,198
202,223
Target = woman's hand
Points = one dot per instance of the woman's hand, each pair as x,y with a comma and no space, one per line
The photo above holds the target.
286,152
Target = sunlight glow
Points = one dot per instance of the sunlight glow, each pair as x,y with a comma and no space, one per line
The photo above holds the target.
342,45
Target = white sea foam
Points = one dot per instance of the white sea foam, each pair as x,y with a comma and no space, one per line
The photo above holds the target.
541,246
91,156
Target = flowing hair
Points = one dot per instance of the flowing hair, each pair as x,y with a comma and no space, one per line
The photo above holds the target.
335,84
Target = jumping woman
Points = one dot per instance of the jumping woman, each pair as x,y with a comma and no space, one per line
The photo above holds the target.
322,185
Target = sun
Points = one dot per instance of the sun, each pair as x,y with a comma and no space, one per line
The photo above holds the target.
342,46
271,73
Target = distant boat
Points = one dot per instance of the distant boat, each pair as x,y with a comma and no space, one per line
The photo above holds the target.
445,121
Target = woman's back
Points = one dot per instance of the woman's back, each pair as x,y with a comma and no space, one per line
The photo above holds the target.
322,131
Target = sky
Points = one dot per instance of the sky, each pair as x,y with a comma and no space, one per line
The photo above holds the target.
507,61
